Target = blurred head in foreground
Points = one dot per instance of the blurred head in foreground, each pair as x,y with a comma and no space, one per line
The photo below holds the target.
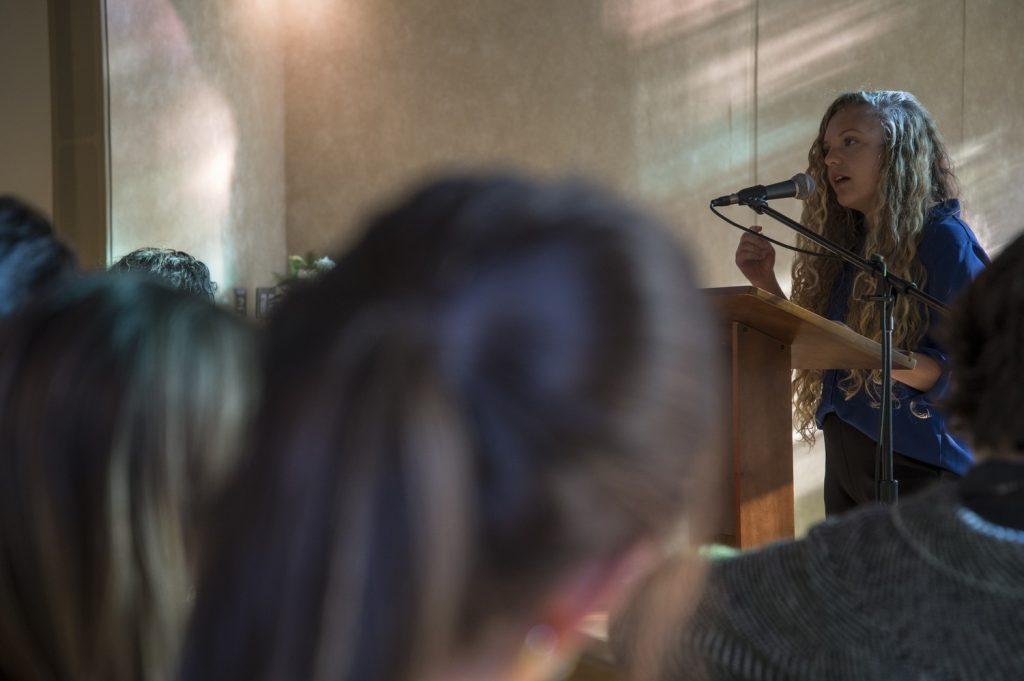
121,403
178,268
471,424
31,258
985,338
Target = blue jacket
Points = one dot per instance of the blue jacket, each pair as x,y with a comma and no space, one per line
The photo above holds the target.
952,257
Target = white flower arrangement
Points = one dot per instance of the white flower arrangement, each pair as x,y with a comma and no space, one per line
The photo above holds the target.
305,267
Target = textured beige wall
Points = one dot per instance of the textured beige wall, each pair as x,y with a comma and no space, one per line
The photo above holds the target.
669,101
693,114
197,133
25,143
991,156
653,98
382,92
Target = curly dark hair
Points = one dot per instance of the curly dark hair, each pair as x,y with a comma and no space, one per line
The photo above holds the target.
182,270
985,338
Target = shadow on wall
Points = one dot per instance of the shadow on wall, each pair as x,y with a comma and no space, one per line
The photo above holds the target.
809,46
693,113
807,54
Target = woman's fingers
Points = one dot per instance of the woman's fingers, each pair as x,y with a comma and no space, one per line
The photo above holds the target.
756,259
753,238
754,247
755,244
754,254
746,252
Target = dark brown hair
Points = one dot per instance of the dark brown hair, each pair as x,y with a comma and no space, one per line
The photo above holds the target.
121,404
986,348
500,381
32,259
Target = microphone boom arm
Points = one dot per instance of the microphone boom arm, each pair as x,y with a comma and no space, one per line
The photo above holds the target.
900,286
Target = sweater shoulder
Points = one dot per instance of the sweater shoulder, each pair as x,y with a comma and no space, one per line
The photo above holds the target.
800,599
830,548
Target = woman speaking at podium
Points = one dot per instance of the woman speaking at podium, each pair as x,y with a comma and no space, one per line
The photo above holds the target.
884,184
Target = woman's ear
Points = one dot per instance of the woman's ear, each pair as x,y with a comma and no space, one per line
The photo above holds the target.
575,612
657,610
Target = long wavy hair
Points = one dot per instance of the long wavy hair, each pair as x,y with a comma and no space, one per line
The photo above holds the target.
915,175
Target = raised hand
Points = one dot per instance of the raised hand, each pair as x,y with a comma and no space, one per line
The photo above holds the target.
756,259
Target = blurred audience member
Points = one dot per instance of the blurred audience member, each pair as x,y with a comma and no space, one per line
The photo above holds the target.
472,427
177,267
930,589
121,403
31,257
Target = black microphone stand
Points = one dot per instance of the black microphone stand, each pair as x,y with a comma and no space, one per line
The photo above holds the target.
890,287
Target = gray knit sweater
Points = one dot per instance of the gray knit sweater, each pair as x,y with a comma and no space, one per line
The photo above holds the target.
918,592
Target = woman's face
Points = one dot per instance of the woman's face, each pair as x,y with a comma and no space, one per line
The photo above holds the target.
853,147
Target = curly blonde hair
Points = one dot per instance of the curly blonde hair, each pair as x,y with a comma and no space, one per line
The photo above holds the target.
916,174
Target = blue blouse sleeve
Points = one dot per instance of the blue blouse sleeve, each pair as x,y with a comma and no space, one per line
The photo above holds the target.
952,258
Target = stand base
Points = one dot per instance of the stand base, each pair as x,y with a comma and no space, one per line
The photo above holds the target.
888,491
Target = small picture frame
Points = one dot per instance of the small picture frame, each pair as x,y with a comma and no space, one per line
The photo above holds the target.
266,299
241,301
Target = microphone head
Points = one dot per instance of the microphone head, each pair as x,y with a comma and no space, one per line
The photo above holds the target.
804,186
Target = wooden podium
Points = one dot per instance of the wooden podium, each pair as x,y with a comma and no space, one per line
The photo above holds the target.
767,338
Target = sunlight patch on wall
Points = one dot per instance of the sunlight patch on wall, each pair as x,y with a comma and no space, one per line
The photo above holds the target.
649,21
984,169
345,19
693,112
173,139
817,45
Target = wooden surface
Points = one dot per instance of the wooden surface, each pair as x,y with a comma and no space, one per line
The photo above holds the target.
760,437
768,337
816,342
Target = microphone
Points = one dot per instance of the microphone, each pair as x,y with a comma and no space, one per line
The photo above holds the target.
800,186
